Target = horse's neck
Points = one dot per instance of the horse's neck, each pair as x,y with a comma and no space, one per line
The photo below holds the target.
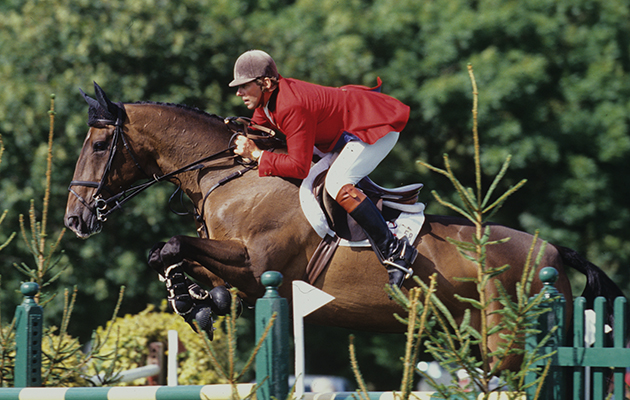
173,137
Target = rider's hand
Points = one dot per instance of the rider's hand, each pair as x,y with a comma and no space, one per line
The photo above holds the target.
246,148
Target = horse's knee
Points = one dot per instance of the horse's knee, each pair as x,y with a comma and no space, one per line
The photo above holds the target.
155,258
171,252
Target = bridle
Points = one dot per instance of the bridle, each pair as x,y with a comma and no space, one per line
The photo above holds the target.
104,207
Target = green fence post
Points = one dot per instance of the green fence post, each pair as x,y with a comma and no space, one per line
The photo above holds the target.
272,360
619,342
579,375
556,317
546,321
28,339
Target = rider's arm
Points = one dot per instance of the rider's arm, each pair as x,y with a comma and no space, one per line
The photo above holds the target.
299,126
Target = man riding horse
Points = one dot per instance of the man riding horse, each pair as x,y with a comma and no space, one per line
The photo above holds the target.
359,124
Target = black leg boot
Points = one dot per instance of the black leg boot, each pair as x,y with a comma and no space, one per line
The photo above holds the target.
189,300
397,255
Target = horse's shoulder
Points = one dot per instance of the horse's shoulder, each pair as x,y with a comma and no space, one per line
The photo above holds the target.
266,196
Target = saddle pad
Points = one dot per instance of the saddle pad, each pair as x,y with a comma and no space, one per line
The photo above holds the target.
407,224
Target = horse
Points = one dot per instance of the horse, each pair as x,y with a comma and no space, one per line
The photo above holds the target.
250,224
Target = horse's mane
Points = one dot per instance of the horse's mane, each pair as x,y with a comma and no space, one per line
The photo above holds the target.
184,107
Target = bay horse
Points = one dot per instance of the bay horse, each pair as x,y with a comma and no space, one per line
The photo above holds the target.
253,224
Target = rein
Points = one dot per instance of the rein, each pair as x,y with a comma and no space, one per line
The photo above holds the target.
104,207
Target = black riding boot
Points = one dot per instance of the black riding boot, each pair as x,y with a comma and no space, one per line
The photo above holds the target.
397,255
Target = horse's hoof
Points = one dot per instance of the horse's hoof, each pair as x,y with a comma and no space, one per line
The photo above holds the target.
203,316
221,300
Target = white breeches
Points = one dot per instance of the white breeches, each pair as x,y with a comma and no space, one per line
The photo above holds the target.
356,161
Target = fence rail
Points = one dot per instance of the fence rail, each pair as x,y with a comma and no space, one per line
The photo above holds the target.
202,392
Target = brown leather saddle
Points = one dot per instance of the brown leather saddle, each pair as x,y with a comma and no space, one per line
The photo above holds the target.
344,226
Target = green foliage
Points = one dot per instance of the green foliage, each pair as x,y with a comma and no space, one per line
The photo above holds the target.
4,214
64,361
7,333
44,254
7,354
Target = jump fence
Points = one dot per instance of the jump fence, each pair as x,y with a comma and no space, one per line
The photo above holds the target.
578,367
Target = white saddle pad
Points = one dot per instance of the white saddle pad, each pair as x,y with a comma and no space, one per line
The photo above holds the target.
407,224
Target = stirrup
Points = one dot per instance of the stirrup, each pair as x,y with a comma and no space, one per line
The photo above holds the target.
392,265
403,258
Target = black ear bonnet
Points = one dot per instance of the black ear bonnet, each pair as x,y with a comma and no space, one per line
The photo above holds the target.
102,111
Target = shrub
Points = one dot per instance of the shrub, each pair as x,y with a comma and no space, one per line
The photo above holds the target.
132,334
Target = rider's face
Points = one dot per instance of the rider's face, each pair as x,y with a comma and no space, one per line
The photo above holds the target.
250,93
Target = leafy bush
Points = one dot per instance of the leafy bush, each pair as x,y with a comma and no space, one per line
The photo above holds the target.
132,334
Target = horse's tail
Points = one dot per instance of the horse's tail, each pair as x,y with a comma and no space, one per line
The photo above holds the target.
597,282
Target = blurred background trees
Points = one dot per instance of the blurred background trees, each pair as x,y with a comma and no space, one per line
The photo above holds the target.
554,89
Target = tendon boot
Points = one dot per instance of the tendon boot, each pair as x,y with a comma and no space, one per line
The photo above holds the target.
397,255
189,300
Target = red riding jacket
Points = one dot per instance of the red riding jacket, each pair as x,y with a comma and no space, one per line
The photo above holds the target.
313,115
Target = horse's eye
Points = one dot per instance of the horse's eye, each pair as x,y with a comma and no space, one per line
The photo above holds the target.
99,146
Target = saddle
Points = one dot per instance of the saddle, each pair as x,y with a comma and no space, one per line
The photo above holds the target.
391,202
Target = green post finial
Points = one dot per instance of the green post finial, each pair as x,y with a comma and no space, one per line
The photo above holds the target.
549,276
271,280
29,290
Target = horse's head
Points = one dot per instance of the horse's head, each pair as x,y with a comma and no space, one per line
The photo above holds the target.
156,142
102,172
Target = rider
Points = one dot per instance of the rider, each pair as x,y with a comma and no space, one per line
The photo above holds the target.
361,124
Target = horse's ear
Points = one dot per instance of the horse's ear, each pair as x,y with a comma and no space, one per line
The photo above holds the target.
101,110
91,102
101,97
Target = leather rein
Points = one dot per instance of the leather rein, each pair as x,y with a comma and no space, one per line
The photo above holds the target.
104,207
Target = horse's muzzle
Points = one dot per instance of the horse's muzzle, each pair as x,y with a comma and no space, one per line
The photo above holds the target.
85,226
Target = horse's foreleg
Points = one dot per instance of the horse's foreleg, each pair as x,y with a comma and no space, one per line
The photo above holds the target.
176,259
192,268
201,273
227,259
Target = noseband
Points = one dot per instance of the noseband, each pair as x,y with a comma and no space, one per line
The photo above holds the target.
103,207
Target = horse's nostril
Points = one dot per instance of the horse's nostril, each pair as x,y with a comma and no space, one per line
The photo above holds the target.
72,222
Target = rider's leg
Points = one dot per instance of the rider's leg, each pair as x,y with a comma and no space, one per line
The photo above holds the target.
357,160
